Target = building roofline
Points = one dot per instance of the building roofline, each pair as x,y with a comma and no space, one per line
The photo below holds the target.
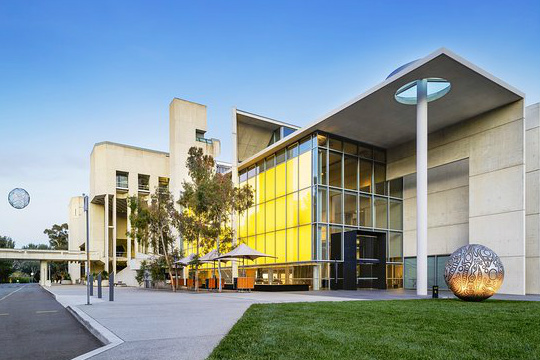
129,147
189,101
302,132
266,119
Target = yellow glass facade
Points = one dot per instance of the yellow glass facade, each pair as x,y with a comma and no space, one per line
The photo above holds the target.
279,224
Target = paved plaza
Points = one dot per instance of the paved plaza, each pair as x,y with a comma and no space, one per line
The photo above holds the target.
158,324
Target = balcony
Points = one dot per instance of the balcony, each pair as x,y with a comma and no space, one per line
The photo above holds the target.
204,140
144,183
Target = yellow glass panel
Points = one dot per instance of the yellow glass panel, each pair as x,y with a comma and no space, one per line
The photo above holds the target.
251,242
270,180
251,182
260,179
242,222
270,246
292,210
259,215
251,221
304,243
259,246
281,211
280,246
270,214
292,175
304,170
292,244
280,180
304,199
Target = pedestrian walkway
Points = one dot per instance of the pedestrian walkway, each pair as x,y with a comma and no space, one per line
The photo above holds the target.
160,324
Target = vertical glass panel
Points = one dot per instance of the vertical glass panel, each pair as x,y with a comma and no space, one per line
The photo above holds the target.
261,191
396,188
251,221
270,184
334,169
270,214
314,167
281,211
304,201
242,175
335,207
396,215
350,172
323,171
381,208
379,155
304,166
441,262
365,175
395,247
305,145
350,148
242,232
323,238
431,271
281,246
252,182
260,246
251,242
365,211
280,157
292,175
270,162
322,206
292,151
335,144
292,244
260,218
321,140
335,230
270,246
292,210
409,273
304,243
350,214
365,152
280,180
380,178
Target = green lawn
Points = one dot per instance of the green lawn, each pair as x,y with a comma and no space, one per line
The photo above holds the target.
401,329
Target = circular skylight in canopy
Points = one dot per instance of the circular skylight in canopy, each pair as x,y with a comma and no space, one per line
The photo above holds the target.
436,89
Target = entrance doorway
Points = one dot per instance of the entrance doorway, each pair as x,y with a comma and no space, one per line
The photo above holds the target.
362,263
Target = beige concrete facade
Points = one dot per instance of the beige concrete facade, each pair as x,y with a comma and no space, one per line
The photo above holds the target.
480,198
118,171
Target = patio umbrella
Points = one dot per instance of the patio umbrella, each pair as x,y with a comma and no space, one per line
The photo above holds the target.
186,261
244,252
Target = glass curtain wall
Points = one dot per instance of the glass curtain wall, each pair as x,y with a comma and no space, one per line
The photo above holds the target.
352,193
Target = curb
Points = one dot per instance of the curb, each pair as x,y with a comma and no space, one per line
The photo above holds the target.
107,337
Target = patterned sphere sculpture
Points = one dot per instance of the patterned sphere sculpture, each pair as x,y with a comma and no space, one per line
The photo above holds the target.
18,198
474,272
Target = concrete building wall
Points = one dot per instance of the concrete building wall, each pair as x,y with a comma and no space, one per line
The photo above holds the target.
493,143
532,196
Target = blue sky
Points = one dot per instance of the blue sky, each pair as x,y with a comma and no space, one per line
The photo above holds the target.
76,73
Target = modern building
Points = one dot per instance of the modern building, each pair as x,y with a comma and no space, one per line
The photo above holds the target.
118,171
339,195
335,201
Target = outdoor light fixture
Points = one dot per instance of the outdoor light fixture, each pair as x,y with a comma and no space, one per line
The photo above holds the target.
419,93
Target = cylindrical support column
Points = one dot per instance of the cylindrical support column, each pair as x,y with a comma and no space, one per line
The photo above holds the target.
114,233
235,180
421,187
43,272
128,228
107,233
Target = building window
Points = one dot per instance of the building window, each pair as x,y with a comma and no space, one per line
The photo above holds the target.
122,180
349,205
381,213
335,206
365,211
350,172
334,169
163,184
144,182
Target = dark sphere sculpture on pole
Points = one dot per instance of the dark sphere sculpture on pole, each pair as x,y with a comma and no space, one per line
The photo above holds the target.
474,272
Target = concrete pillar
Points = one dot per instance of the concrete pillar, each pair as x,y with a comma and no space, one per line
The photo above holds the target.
316,277
235,181
43,272
128,227
107,232
114,232
421,187
74,269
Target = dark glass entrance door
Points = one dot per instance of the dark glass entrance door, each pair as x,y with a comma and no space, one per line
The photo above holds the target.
367,261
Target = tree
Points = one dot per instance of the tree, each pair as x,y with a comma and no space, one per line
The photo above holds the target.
30,266
6,266
207,202
58,236
152,224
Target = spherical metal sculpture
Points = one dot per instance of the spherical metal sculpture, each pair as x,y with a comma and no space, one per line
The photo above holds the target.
474,272
18,198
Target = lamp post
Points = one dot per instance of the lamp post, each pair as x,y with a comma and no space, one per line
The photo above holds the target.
420,93
85,197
